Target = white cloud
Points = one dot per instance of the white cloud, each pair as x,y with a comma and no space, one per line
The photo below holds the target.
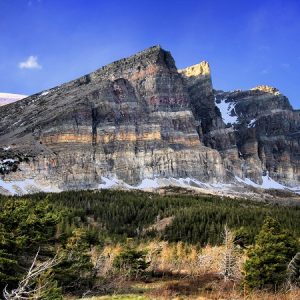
30,63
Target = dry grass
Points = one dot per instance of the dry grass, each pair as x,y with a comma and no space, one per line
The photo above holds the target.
182,272
209,287
212,288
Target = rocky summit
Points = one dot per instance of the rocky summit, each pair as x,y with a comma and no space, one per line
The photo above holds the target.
140,118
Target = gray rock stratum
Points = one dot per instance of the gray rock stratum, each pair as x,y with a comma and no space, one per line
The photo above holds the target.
141,118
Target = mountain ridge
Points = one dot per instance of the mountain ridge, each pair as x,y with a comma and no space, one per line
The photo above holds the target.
139,118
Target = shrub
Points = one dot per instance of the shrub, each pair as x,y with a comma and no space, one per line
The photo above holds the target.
131,262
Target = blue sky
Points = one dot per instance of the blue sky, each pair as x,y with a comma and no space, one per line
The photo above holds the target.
44,43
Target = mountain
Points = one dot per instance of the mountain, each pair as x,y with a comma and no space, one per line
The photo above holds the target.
6,98
140,119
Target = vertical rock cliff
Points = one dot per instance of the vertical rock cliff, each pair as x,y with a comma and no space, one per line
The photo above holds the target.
266,131
131,119
212,129
141,118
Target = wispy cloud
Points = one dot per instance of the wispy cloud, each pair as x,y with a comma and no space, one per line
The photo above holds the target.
30,63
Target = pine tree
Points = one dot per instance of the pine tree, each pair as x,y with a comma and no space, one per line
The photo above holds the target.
75,270
24,226
268,259
131,262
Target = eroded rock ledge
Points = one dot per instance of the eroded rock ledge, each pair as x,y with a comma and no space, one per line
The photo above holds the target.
141,118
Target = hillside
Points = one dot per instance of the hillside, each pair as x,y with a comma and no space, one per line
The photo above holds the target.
111,244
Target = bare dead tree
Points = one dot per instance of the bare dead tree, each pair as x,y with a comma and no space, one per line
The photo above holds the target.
229,268
203,263
293,272
27,288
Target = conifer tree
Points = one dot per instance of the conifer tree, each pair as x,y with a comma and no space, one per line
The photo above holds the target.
75,270
131,262
267,262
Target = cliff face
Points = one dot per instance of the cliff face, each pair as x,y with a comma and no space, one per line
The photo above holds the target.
131,119
198,81
211,127
141,118
266,131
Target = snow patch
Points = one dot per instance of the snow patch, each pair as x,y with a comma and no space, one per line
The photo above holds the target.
26,186
251,123
6,98
31,185
108,182
45,93
247,181
8,160
12,96
227,110
269,183
148,184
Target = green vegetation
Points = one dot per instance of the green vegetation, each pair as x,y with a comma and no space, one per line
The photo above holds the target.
76,226
25,226
75,272
131,261
267,262
117,215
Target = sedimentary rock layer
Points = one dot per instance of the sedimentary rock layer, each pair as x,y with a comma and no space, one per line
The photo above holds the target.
131,119
141,118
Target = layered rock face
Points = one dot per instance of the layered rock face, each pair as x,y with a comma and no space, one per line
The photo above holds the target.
266,131
141,118
131,119
211,128
256,131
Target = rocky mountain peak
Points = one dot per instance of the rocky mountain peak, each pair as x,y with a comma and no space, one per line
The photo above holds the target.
201,69
137,63
266,89
138,119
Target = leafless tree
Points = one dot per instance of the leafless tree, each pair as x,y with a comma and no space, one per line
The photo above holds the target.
229,268
293,272
27,287
204,263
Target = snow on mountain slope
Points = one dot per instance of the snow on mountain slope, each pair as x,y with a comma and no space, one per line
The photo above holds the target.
6,98
239,187
227,110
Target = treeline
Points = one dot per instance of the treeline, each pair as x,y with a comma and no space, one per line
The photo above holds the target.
198,219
